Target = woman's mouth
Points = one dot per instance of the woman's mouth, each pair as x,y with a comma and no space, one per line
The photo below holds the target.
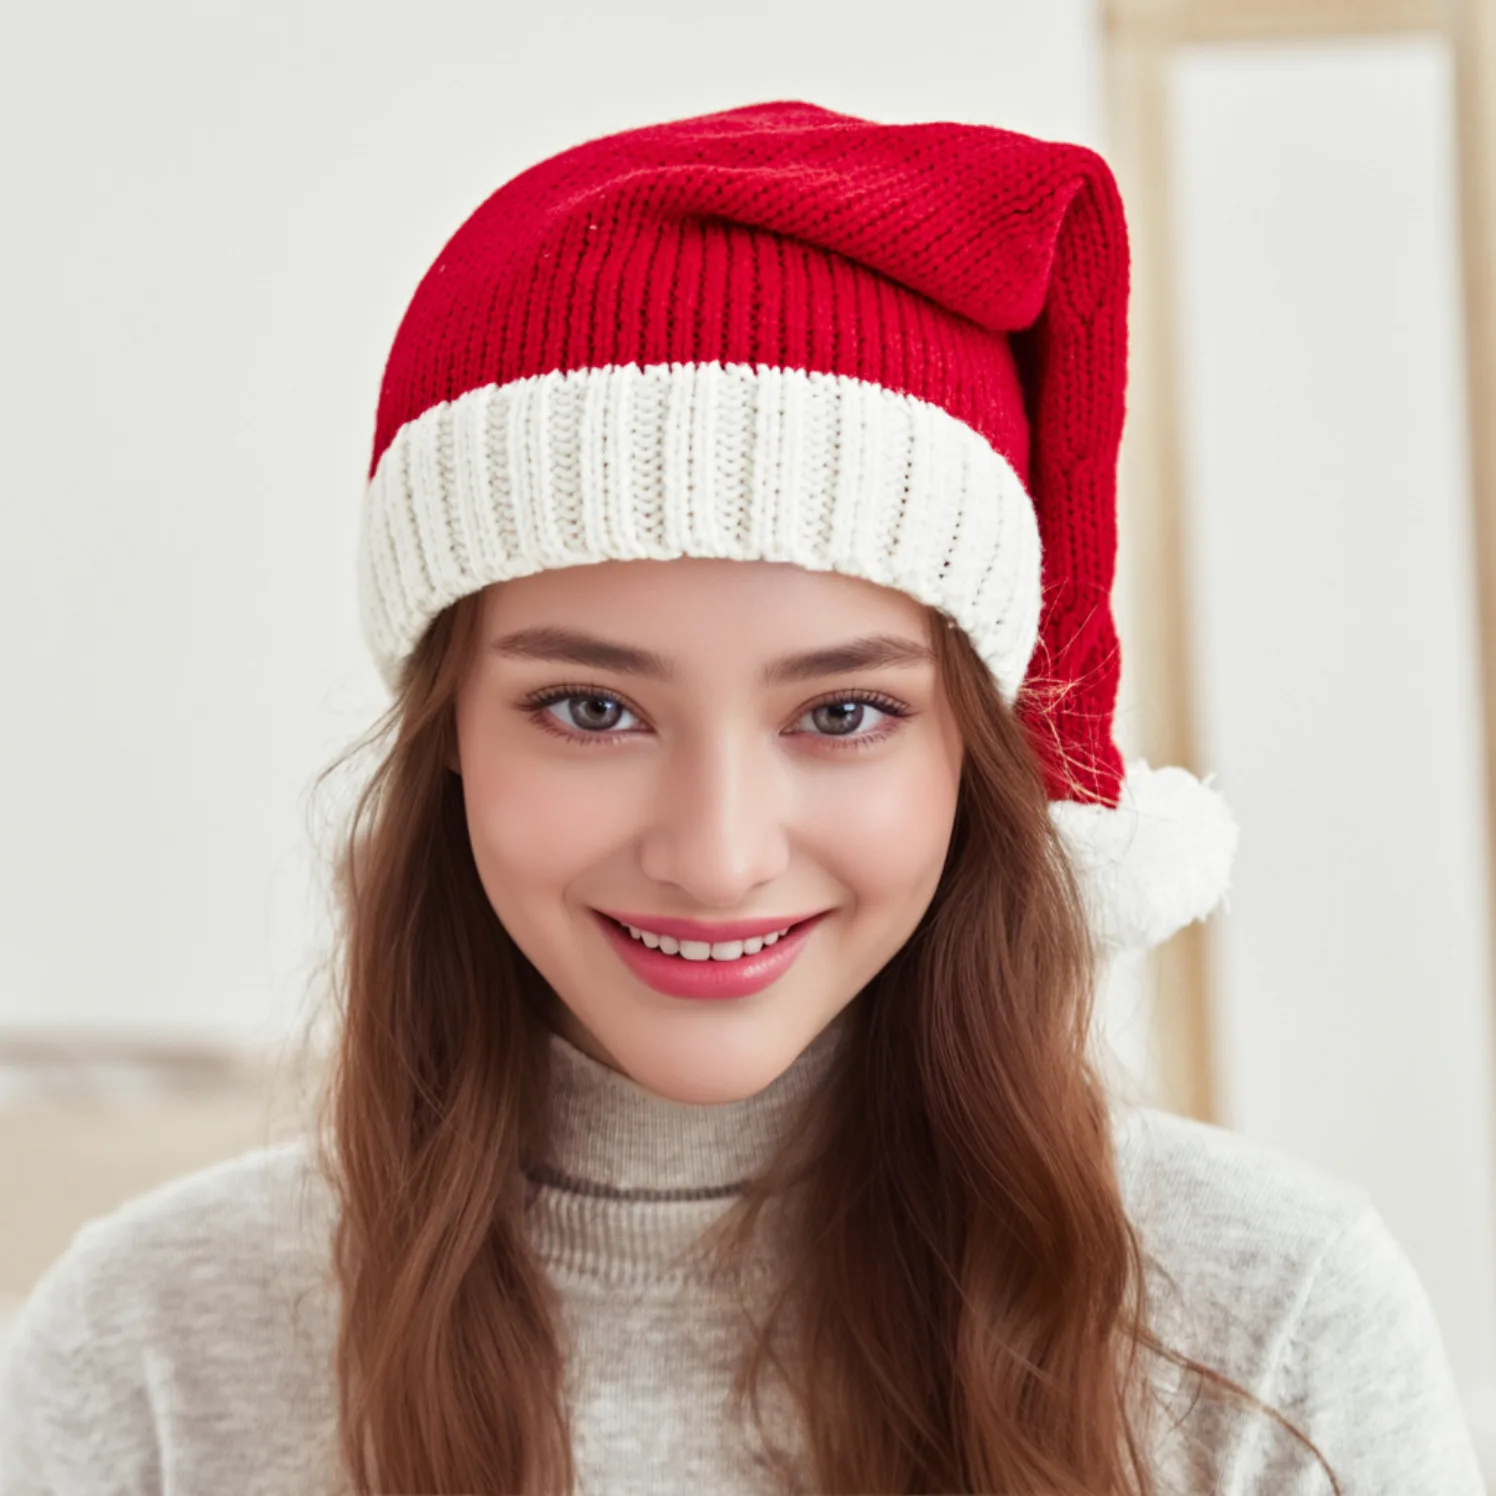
698,969
702,950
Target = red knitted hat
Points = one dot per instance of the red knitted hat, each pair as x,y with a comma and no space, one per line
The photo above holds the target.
781,333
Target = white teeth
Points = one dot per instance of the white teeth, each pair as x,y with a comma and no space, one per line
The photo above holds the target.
700,950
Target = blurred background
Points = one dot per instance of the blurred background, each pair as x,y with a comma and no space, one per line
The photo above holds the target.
214,216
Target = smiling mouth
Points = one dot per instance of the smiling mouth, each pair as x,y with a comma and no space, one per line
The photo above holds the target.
698,969
788,929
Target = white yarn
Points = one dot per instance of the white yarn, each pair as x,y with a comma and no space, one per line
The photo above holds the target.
748,463
1161,859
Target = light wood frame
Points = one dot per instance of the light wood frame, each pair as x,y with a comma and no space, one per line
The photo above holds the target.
1139,38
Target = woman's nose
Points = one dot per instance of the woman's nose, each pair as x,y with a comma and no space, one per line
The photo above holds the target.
717,829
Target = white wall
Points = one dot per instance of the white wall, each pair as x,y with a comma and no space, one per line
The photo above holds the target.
214,218
1334,622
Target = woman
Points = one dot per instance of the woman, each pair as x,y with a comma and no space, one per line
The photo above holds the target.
713,1106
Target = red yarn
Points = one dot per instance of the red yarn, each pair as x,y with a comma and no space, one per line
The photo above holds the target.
980,270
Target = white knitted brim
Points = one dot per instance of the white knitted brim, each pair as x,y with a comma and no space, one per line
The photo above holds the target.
651,463
755,463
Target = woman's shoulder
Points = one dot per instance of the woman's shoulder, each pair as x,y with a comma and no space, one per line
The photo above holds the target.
1191,1182
171,1313
221,1228
1287,1279
1236,1232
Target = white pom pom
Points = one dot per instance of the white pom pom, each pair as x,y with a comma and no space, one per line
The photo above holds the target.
1159,860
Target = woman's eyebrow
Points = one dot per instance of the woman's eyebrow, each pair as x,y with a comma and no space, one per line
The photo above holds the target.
570,646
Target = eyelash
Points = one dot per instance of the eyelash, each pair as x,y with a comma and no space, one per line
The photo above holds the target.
537,703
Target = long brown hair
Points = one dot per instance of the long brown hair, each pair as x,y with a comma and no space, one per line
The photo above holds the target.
967,1304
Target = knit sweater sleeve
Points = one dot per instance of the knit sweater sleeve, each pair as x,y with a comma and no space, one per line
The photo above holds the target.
1365,1375
76,1414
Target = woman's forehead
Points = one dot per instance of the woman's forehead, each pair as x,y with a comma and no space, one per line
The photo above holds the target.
658,598
692,619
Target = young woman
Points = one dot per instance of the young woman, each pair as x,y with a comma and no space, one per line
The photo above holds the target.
714,1107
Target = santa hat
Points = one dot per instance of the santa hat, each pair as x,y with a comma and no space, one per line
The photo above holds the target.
781,333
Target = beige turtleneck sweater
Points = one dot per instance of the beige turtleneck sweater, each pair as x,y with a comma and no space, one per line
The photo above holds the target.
180,1346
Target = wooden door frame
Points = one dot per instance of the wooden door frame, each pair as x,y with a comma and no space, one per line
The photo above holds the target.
1139,38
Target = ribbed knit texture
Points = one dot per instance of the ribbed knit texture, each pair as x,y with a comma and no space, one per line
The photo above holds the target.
629,463
978,271
678,1164
182,1344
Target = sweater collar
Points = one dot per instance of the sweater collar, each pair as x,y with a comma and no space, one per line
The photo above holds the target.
609,1135
631,1180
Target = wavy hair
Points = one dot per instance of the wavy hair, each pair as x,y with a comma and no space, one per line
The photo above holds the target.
968,1303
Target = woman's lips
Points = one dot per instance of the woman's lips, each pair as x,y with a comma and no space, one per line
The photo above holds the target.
677,977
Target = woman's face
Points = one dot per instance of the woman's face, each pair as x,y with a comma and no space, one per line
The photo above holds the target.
714,792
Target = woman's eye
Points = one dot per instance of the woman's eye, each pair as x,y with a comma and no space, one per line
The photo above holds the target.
590,713
841,718
594,716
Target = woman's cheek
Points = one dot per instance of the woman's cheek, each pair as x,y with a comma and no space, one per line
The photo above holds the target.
545,826
906,814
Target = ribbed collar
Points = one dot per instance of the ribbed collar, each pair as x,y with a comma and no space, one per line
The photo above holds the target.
609,1132
631,1179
